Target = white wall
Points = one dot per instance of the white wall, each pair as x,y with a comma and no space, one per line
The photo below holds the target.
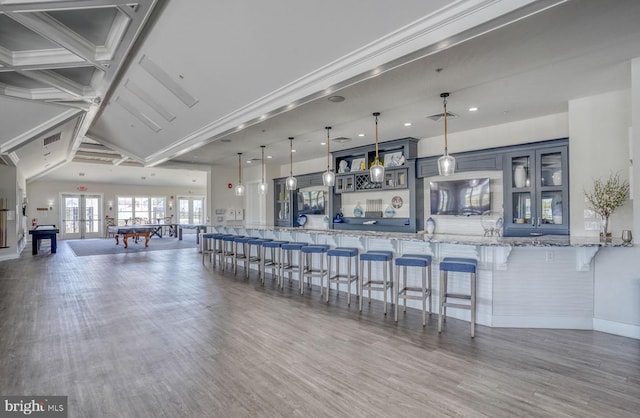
599,146
8,191
40,193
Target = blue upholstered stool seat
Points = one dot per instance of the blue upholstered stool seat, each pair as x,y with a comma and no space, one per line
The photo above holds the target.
423,292
368,282
457,265
351,254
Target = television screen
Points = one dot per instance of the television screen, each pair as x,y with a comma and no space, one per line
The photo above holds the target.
460,197
311,202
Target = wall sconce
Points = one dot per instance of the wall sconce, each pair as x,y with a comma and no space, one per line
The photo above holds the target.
50,204
110,205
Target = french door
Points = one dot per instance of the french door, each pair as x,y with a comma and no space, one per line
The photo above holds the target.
191,210
82,216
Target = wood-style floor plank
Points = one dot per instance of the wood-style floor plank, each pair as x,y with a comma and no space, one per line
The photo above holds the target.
158,334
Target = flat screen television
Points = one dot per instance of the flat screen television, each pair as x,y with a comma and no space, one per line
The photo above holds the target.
311,202
460,197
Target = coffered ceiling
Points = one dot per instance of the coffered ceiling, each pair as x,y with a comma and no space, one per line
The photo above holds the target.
149,84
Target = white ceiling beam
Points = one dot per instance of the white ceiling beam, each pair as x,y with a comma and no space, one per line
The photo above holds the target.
49,28
33,133
97,148
36,6
56,80
88,154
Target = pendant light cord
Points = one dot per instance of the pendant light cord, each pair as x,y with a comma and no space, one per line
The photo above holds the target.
262,146
240,167
290,157
328,147
376,114
446,142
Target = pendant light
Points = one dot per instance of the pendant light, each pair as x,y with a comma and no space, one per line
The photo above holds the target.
446,163
329,177
240,186
376,173
263,187
291,182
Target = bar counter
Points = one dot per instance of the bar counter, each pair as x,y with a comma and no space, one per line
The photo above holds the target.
523,282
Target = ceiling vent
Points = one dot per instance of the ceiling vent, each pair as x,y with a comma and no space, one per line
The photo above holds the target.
439,116
341,139
51,139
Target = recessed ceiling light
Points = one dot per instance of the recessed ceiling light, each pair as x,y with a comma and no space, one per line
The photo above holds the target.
360,134
323,143
408,124
336,99
225,140
248,161
473,109
81,174
269,156
293,150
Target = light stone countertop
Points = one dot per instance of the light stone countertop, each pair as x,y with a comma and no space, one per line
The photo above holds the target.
537,241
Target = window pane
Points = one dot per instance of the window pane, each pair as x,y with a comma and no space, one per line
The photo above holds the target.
157,208
125,208
198,211
183,211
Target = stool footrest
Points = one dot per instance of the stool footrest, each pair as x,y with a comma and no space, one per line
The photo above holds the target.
457,296
456,305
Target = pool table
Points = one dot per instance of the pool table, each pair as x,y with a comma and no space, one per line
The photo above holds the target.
41,232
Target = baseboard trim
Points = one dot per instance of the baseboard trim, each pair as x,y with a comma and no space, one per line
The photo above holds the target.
552,322
616,328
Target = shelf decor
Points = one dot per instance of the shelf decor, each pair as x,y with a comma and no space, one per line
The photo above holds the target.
605,198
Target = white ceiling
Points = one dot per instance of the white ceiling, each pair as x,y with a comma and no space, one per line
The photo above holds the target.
202,72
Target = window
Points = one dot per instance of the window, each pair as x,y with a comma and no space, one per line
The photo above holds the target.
191,210
148,208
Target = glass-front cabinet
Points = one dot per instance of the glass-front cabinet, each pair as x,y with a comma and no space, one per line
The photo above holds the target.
282,199
536,192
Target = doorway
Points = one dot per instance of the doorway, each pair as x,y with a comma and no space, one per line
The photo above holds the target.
81,216
191,210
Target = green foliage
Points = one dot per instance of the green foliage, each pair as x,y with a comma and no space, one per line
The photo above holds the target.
607,196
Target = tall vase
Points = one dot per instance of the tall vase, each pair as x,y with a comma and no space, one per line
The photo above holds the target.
605,235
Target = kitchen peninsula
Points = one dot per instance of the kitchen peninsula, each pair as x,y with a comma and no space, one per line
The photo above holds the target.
532,282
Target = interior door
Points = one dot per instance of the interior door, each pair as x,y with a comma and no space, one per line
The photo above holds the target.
82,216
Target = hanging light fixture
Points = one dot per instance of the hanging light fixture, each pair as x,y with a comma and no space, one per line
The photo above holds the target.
446,163
376,173
263,187
329,177
240,186
291,182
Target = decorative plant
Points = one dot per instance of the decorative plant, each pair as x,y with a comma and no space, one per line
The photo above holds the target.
607,196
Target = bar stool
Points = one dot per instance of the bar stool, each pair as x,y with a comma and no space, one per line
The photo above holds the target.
272,259
352,258
251,245
308,271
460,265
405,292
208,246
368,282
240,254
228,250
292,260
218,248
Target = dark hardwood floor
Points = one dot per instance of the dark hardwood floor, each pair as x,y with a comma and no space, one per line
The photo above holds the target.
157,334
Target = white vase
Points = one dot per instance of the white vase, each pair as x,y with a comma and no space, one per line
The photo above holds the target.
430,226
519,176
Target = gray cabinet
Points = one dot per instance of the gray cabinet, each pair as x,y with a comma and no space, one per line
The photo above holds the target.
396,178
345,183
285,211
536,191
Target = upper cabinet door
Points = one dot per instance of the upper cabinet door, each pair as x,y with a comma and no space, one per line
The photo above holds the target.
536,192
